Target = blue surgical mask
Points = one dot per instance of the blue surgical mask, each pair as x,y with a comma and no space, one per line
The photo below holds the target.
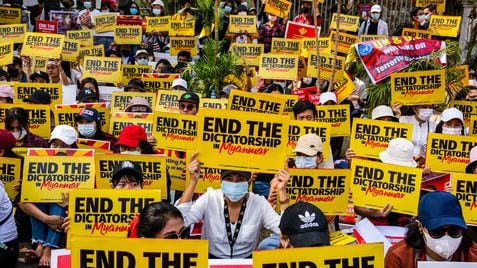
87,5
156,11
234,190
142,61
227,9
305,161
133,11
87,130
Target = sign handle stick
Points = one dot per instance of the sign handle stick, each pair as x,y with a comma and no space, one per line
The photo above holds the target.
337,38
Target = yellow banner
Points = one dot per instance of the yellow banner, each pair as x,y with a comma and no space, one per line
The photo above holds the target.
347,23
370,37
279,8
6,53
416,33
371,137
157,24
183,44
25,90
473,126
326,66
152,166
377,184
85,37
308,45
365,255
344,88
107,212
168,101
214,103
175,131
181,28
276,66
119,123
10,15
45,178
10,174
105,22
103,69
13,33
448,153
158,82
440,4
290,101
236,137
39,64
244,101
299,128
176,163
468,109
66,114
39,120
413,88
43,45
120,100
336,116
209,177
286,46
249,53
131,71
71,50
241,24
345,41
128,34
138,252
464,187
326,189
338,238
97,51
445,25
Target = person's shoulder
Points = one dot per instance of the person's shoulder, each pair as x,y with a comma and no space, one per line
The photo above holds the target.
399,249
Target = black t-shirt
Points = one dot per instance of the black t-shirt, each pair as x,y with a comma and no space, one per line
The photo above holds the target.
373,28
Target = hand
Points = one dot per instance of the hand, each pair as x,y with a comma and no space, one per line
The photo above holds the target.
253,177
53,221
66,224
448,187
397,109
193,167
384,212
426,170
350,154
283,176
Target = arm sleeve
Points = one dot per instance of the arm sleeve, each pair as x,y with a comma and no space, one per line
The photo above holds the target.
271,219
194,212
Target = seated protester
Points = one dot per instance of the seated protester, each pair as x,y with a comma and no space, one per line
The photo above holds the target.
135,85
39,97
133,140
189,103
56,73
138,105
422,125
336,143
179,84
16,121
87,96
89,124
161,64
308,150
15,71
471,168
439,234
39,77
4,77
142,57
7,95
274,88
452,122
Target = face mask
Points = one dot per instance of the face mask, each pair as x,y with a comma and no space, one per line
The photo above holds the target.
427,17
87,130
87,5
227,10
272,18
12,72
307,80
305,161
375,16
242,13
305,10
452,131
156,11
131,152
126,53
425,114
133,11
421,18
234,190
445,246
19,135
142,61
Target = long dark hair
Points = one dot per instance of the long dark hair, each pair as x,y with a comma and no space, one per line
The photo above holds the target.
90,80
439,128
18,114
146,147
154,217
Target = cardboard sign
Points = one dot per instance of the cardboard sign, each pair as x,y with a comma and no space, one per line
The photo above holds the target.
286,46
121,120
10,15
299,128
158,82
66,114
129,20
370,37
96,145
473,126
85,37
176,164
326,189
468,109
97,51
276,66
39,64
290,101
236,137
183,44
107,212
6,53
175,131
376,184
25,90
43,45
209,177
344,88
241,24
168,101
46,26
371,137
103,69
464,187
157,24
345,41
337,116
131,71
128,34
13,33
38,117
10,174
70,50
448,153
445,25
308,46
326,66
297,30
256,103
121,100
214,103
181,28
339,238
104,22
413,88
279,8
249,53
347,22
440,4
416,33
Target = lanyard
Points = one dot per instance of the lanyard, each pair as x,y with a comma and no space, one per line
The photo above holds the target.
233,238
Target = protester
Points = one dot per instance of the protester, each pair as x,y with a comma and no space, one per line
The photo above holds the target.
179,85
142,57
452,122
39,77
138,105
133,140
15,71
56,73
85,17
384,113
422,126
374,25
189,103
417,19
39,97
471,168
7,95
305,16
127,175
162,63
89,124
135,85
272,28
16,121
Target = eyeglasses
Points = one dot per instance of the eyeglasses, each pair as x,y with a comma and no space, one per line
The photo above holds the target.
183,234
188,107
139,109
452,231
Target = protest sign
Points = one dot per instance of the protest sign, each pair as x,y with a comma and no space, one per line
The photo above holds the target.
138,252
13,33
279,8
107,212
435,181
473,126
129,20
414,88
367,255
39,121
326,65
181,27
176,164
66,114
157,24
39,64
10,174
96,145
339,238
276,66
175,131
183,44
43,45
371,137
326,189
297,30
440,4
448,153
370,37
104,22
234,137
168,101
70,50
445,25
243,24
97,50
345,41
46,26
464,69
209,177
131,71
416,33
214,103
464,187
103,69
25,90
128,34
6,53
85,37
121,120
383,57
120,99
308,45
298,128
286,46
10,15
256,103
344,88
377,184
468,109
249,53
290,101
67,20
158,82
337,116
347,22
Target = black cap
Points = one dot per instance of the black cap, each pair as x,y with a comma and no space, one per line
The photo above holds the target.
40,74
305,225
86,94
135,84
241,8
127,168
226,172
190,97
39,97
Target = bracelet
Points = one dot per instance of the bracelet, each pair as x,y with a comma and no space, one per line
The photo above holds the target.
284,202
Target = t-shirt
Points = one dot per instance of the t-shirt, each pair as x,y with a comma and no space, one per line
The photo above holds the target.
373,28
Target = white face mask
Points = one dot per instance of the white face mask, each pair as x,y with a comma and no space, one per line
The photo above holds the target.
375,16
421,18
272,18
307,80
242,13
19,135
87,130
452,131
425,113
445,246
305,161
131,152
156,11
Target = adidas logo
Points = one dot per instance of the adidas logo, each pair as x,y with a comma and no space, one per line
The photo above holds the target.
308,220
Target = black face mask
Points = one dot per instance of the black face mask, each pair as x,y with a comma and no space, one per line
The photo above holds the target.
126,53
305,10
12,72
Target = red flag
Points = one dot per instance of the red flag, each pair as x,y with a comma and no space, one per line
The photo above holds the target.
297,30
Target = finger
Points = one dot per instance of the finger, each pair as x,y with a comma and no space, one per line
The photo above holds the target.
286,164
194,156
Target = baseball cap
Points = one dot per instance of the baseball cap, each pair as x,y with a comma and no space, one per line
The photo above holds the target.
158,2
399,152
226,172
327,96
452,113
131,135
65,134
383,111
89,114
179,82
7,140
305,225
141,51
87,94
227,89
309,144
241,8
376,8
139,101
472,160
190,97
39,97
6,91
438,208
127,168
40,74
135,84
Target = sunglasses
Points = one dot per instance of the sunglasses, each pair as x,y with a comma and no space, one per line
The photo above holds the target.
183,234
452,231
188,107
142,58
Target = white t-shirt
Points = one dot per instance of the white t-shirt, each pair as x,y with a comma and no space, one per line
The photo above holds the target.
419,131
8,230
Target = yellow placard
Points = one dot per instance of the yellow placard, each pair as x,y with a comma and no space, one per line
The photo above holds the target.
473,126
25,90
209,177
445,25
117,124
43,45
347,22
448,153
158,24
6,53
104,22
71,50
326,66
236,137
413,88
249,53
175,131
128,34
377,184
168,101
308,45
345,41
152,166
370,37
103,69
13,33
464,69
241,24
279,8
327,189
468,109
39,64
338,238
120,100
214,103
286,46
416,33
10,174
158,82
97,51
364,255
244,101
131,71
298,128
344,88
66,114
10,15
181,27
138,252
107,212
183,44
337,116
371,137
440,4
176,164
46,177
276,66
39,120
464,187
290,101
85,37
